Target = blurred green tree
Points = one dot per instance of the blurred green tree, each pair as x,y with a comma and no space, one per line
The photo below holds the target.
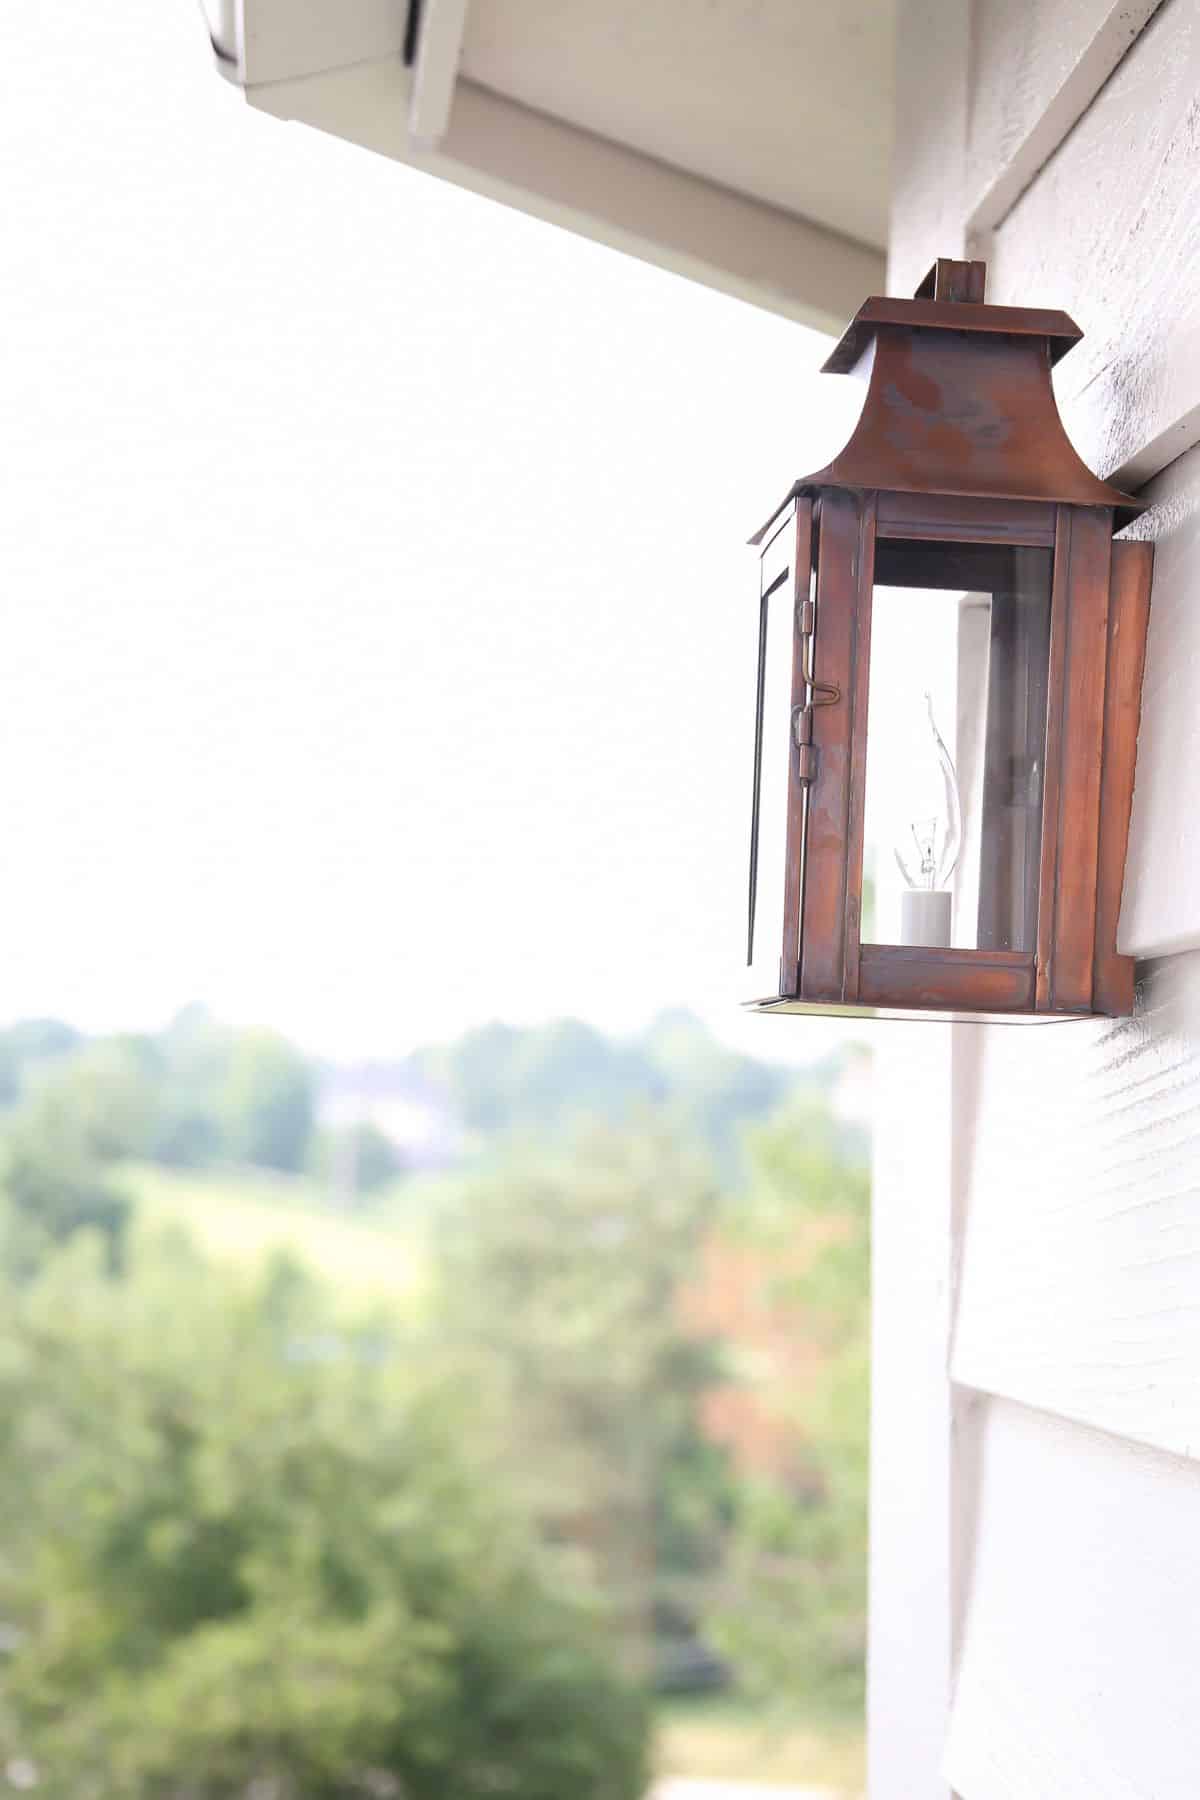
355,1162
85,1113
503,1079
792,1617
252,1550
268,1102
562,1271
27,1046
194,1053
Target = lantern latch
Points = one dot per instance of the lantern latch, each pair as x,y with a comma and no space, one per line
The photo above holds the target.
820,693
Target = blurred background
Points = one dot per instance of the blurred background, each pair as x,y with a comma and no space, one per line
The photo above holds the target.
433,1336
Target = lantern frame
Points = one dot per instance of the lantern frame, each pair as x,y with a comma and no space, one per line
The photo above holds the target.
959,443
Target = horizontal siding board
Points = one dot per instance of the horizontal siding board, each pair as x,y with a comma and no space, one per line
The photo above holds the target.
1160,912
1078,1151
1107,230
1036,66
1074,1328
1079,1668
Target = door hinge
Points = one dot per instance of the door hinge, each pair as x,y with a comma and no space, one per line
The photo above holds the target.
806,750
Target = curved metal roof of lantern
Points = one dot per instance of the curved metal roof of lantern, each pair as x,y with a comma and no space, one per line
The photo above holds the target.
959,401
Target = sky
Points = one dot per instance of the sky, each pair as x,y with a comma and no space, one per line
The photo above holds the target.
378,626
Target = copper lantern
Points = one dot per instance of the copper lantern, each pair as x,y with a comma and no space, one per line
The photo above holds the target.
949,671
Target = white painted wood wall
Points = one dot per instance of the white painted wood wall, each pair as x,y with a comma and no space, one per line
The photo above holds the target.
1036,1430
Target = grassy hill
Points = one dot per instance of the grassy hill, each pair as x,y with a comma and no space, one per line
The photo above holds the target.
721,1740
247,1216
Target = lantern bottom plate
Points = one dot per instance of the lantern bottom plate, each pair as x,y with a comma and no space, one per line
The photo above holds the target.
927,1015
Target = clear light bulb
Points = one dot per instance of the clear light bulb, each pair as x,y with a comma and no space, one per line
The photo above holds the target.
929,835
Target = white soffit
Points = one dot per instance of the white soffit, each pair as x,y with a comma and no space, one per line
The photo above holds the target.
785,100
743,145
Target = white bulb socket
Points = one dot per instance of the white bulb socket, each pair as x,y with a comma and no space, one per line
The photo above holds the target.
925,917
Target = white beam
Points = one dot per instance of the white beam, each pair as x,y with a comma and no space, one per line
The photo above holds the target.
439,47
598,188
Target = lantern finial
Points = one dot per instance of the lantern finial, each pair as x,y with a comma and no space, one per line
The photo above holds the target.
950,280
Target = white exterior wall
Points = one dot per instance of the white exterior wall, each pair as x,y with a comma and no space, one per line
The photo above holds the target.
1036,1430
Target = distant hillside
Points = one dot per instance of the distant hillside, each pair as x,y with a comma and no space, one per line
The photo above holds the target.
503,1079
201,1094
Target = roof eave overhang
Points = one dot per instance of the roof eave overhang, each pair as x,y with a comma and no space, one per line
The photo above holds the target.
344,71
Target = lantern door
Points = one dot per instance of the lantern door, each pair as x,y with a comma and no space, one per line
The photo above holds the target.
946,715
811,561
777,829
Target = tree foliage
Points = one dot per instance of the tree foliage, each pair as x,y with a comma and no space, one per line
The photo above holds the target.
793,1615
259,1551
547,1079
78,1119
269,1101
562,1273
253,1551
28,1044
355,1163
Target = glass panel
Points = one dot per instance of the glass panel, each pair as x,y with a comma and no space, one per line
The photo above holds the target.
960,650
771,764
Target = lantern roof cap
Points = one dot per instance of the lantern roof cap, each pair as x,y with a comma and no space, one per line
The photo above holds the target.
1057,329
950,298
959,401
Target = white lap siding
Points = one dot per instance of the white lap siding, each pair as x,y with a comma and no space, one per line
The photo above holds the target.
1053,1576
1079,1673
1111,228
